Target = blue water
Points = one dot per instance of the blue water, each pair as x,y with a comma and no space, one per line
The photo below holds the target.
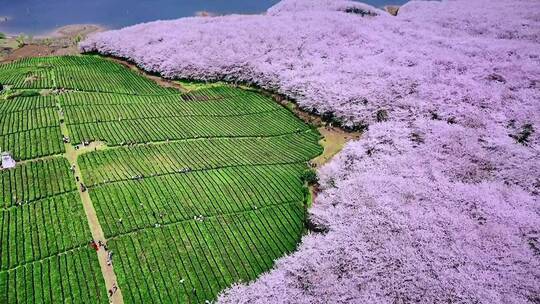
35,17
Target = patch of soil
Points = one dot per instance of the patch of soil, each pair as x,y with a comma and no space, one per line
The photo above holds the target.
333,141
38,50
392,9
73,30
4,51
31,50
63,41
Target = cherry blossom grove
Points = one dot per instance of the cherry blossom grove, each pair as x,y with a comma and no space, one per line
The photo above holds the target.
439,199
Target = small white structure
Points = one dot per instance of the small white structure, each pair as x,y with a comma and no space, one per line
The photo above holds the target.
7,161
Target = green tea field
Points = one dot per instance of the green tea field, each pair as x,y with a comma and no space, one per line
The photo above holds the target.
189,192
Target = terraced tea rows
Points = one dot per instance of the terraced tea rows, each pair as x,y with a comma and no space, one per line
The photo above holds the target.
175,128
44,254
192,191
35,180
38,230
193,260
76,73
70,277
152,201
29,127
200,154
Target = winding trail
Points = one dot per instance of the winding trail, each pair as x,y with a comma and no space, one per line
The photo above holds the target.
95,228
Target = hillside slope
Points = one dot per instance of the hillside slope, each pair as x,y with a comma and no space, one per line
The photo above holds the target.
439,201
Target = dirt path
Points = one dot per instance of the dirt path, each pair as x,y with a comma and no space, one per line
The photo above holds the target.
95,228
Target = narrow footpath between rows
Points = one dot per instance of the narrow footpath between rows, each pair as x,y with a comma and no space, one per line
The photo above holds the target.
109,275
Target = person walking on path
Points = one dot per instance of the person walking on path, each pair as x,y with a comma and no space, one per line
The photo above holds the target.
94,245
113,290
109,258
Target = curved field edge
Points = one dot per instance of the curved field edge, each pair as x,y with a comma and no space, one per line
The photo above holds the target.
438,201
190,177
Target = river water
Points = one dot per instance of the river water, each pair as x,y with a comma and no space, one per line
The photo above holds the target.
37,17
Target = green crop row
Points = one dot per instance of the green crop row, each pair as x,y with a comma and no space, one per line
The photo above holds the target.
33,143
217,93
192,261
35,180
40,229
28,77
90,99
182,196
43,62
207,96
95,78
70,277
15,122
29,127
21,104
78,73
146,160
87,111
273,123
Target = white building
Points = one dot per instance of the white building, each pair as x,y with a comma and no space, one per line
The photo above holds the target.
7,161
